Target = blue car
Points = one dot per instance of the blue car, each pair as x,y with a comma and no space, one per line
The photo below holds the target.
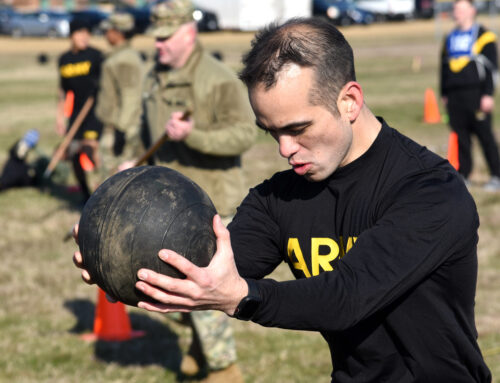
6,13
342,12
40,23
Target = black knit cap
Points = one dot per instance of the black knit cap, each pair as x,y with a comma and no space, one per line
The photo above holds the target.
77,24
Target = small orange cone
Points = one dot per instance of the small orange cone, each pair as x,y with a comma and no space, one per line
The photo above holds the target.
431,108
453,150
111,322
69,101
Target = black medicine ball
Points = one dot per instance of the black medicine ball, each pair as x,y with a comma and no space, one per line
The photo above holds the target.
133,215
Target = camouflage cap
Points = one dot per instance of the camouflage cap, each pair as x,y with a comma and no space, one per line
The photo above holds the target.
121,21
168,16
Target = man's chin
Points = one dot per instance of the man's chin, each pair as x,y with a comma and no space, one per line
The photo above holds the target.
316,177
312,177
163,60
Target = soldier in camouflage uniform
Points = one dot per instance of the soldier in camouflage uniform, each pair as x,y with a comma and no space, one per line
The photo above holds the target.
119,98
205,147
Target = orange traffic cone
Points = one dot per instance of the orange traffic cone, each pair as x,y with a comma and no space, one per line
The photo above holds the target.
431,108
111,322
453,150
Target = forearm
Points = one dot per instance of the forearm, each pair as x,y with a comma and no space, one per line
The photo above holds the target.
129,122
60,113
443,68
491,69
106,98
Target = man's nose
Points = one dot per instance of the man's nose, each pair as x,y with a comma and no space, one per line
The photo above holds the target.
288,146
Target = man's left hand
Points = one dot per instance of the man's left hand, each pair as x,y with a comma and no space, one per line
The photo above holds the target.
217,286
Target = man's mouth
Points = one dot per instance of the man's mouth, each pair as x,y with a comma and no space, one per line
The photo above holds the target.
301,168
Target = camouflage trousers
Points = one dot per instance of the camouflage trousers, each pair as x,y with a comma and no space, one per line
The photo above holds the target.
215,333
216,338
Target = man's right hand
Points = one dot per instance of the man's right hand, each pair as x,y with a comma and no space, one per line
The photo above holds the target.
179,126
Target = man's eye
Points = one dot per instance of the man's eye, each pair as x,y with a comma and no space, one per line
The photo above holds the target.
296,132
273,133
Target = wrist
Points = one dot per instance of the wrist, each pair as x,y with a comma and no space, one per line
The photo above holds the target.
240,291
250,303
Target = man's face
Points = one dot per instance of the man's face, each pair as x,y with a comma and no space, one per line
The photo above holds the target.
112,35
314,141
80,39
463,13
172,50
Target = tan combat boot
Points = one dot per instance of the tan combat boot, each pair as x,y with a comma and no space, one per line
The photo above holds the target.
189,366
194,361
231,374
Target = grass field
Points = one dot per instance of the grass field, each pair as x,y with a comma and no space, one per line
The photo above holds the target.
45,306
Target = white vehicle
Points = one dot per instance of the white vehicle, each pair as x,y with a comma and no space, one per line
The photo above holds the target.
388,9
250,15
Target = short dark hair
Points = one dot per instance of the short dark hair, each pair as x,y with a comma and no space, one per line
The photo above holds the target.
77,24
307,42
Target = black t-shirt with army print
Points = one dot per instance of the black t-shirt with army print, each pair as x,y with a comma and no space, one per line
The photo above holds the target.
79,72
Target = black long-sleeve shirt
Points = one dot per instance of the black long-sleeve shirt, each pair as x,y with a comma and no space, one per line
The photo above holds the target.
384,252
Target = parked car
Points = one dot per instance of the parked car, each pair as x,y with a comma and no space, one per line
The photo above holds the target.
92,17
252,15
388,9
6,12
342,12
424,9
40,23
207,21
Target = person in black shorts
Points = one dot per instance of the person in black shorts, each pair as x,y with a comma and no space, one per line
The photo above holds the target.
79,72
379,232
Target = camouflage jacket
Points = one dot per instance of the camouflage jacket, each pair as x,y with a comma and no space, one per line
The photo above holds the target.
223,130
119,99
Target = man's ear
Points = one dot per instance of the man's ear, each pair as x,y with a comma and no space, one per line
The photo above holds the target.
190,35
350,101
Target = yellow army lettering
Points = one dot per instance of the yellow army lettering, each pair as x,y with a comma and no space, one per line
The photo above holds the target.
76,69
317,260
